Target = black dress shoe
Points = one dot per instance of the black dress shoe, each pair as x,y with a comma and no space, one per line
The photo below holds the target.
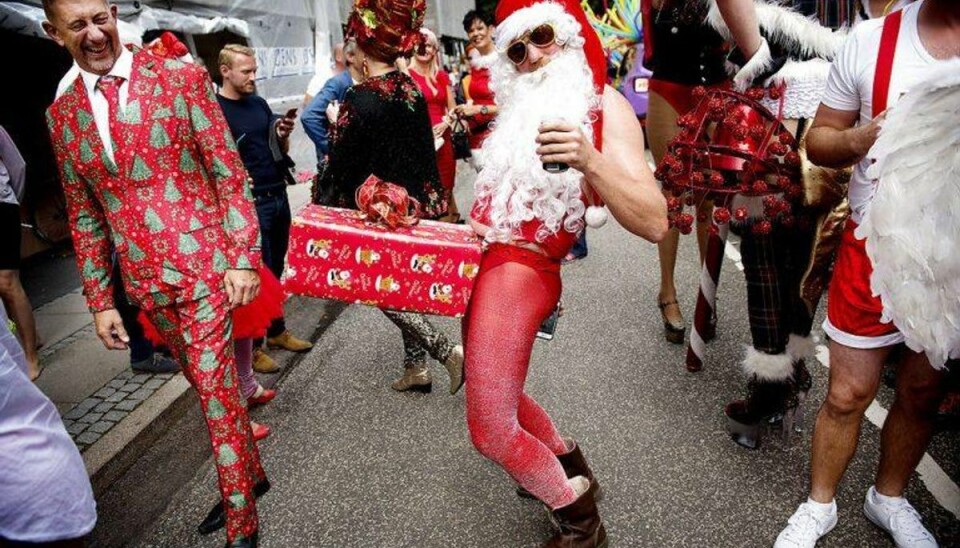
249,542
217,519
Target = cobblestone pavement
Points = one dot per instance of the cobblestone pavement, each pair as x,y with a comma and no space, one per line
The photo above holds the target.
90,419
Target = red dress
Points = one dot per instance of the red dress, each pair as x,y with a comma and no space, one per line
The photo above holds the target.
481,94
437,108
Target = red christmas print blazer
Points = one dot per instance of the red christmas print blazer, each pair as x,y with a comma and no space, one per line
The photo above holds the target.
175,205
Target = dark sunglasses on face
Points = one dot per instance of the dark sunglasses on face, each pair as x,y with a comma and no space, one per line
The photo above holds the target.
541,36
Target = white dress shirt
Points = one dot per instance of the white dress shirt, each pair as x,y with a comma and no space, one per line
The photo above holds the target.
101,109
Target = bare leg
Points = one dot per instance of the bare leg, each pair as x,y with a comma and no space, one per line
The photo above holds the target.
18,306
854,379
909,426
453,212
661,128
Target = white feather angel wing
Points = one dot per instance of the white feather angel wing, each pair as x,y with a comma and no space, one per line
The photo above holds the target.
912,226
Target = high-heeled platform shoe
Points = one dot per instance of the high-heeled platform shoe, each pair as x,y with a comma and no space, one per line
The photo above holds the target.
454,366
769,405
217,517
673,331
415,377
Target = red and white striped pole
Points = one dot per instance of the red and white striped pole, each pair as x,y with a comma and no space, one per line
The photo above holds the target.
703,330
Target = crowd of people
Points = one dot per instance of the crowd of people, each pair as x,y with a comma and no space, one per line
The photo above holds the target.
177,194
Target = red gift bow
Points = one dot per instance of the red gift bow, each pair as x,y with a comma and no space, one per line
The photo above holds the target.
168,46
387,203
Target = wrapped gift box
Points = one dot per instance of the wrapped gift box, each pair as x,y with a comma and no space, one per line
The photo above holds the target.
428,268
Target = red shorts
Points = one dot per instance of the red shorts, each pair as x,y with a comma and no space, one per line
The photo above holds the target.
853,312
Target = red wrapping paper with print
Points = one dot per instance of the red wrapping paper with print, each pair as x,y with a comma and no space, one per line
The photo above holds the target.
340,254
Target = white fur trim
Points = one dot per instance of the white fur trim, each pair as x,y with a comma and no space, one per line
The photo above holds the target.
757,65
788,28
767,367
525,19
596,216
480,62
800,348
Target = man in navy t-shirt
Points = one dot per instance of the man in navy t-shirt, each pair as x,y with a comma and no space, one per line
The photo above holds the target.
263,139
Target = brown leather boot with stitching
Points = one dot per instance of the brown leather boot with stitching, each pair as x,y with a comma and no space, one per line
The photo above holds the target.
579,523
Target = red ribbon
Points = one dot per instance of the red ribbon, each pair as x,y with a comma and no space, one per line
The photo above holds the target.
387,203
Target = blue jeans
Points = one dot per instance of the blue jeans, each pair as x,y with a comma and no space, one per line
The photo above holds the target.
273,212
579,249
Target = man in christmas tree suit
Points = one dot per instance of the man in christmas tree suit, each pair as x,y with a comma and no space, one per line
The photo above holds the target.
150,170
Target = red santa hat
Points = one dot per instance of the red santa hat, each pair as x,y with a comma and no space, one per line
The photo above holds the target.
515,17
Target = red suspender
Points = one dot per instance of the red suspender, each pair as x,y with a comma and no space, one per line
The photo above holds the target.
888,47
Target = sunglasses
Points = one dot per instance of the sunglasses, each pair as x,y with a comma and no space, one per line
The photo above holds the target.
541,36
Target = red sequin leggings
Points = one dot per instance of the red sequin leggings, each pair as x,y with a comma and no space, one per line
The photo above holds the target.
515,291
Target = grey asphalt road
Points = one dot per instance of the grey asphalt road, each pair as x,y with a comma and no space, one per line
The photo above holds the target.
354,464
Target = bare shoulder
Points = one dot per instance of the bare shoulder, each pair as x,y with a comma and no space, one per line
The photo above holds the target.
619,119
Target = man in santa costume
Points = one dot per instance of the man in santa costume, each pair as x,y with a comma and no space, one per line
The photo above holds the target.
563,140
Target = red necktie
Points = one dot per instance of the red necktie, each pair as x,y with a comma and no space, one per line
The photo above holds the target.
109,86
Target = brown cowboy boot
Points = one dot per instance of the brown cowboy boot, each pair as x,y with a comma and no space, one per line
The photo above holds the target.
574,464
579,522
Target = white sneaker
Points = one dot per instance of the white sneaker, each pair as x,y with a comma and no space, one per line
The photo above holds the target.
807,525
900,520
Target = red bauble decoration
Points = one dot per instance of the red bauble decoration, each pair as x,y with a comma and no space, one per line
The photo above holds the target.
785,138
674,204
687,121
783,182
697,178
792,158
740,214
770,204
774,93
755,93
793,191
757,132
685,223
778,148
759,186
763,227
716,179
698,92
721,215
739,133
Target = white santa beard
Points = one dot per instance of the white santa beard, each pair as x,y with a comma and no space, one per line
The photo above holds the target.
513,179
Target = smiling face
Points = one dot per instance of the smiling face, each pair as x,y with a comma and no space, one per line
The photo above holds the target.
479,35
425,52
88,29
